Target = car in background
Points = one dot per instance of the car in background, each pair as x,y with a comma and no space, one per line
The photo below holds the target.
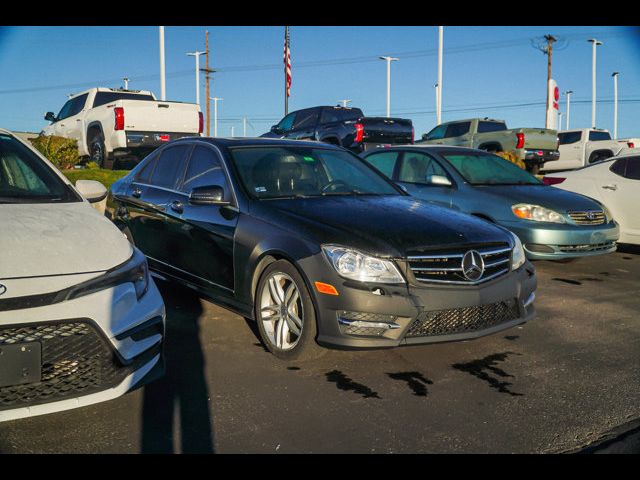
114,126
81,321
614,182
533,146
584,146
551,224
343,126
318,247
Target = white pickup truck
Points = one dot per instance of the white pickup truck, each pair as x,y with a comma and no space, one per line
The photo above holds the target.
112,125
585,146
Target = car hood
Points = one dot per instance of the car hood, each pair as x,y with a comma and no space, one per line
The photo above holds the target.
543,195
58,239
392,226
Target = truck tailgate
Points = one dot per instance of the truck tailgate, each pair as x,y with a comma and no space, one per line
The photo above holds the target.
159,116
387,130
539,138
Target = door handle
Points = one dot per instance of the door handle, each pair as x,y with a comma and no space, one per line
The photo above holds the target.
610,187
136,193
176,206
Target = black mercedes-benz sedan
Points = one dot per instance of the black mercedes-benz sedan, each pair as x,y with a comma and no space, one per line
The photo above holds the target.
318,247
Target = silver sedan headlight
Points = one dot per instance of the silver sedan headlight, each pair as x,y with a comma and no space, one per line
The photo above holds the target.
536,213
355,265
517,257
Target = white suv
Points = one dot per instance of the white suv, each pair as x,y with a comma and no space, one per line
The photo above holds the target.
81,321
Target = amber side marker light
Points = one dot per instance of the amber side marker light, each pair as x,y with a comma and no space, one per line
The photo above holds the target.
326,288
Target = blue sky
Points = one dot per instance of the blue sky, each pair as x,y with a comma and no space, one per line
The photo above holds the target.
488,71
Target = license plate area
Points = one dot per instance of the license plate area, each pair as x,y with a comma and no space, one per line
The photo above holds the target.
20,364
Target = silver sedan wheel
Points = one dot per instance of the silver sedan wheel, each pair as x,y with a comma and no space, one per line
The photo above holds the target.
281,311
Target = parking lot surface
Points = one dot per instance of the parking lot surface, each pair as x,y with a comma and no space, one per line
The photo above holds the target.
568,381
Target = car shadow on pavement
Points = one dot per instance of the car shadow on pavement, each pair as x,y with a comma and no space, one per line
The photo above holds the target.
183,390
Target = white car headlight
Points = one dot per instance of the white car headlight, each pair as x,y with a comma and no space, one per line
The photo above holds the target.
517,257
355,265
607,213
536,213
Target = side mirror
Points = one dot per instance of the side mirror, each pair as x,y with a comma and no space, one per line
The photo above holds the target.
208,195
92,190
50,117
440,180
276,129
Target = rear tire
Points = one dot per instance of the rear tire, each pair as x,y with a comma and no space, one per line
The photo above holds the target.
285,314
97,152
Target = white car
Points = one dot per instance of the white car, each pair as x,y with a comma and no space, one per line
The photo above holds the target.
615,183
81,321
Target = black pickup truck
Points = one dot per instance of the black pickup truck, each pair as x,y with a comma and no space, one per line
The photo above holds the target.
343,126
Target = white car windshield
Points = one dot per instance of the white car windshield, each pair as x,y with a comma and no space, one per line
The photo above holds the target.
25,178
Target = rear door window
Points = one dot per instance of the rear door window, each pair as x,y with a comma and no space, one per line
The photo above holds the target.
484,127
384,161
457,129
306,119
419,168
170,167
568,138
595,136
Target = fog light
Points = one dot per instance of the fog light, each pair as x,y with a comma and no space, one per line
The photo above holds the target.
538,248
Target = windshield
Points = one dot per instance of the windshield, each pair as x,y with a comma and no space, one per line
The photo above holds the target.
487,169
291,171
25,178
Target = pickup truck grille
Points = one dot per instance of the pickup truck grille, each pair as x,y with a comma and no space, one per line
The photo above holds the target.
447,266
589,217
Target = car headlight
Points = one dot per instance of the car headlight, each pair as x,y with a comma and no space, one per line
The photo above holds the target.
134,270
607,213
536,213
355,265
517,257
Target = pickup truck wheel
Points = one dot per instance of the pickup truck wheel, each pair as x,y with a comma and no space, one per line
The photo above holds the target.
97,152
285,314
534,170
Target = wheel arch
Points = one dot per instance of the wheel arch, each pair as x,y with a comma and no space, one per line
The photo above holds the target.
491,147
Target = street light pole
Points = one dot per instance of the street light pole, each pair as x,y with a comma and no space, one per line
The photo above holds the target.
615,104
215,114
163,92
126,82
594,44
389,60
197,54
568,94
559,119
439,91
345,102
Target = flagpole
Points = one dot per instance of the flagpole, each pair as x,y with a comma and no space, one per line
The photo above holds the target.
286,53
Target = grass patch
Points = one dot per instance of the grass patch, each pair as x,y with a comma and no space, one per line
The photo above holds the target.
105,177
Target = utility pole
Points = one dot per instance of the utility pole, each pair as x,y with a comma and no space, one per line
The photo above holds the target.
207,71
594,44
389,60
345,102
549,52
568,94
163,92
439,88
126,83
615,104
215,114
197,54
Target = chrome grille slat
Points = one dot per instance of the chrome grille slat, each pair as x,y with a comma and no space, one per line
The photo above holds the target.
581,217
446,266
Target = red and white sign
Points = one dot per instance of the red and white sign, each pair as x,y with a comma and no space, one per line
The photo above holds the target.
552,107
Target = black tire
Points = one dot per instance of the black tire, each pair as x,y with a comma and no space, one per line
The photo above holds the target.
598,156
305,347
97,152
535,169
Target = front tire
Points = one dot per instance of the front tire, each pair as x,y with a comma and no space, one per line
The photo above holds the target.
285,314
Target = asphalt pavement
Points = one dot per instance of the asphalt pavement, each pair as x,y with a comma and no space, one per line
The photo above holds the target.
569,381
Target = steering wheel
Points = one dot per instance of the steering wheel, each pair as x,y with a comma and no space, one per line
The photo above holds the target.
333,183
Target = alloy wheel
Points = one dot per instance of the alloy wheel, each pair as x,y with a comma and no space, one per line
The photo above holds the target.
281,311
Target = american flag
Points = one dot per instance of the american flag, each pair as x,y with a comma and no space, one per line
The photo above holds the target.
287,61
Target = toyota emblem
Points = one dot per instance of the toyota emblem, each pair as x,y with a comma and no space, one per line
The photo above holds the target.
472,265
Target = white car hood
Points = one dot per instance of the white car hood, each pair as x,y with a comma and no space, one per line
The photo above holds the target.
58,239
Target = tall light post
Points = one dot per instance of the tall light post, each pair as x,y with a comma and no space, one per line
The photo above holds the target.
163,92
439,88
594,44
568,94
615,104
389,60
197,54
559,120
215,114
126,82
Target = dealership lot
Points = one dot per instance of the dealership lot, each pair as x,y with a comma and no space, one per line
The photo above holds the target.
567,380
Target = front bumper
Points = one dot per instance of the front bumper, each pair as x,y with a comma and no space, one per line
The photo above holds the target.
559,241
379,316
93,348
